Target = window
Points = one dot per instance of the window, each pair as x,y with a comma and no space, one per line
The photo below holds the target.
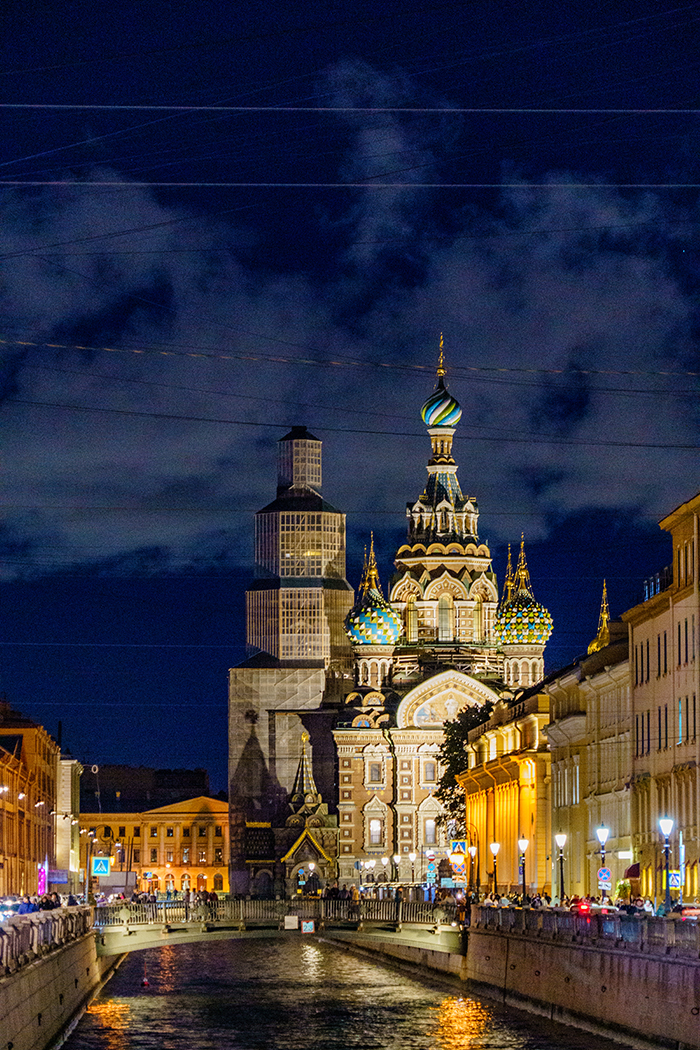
680,721
186,855
375,833
154,833
186,832
647,659
137,833
679,643
430,832
137,856
658,656
202,856
169,856
686,639
429,772
648,731
218,855
154,856
218,882
375,772
217,831
122,832
665,653
107,832
202,832
169,833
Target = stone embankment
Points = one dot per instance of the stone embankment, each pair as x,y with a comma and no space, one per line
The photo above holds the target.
48,971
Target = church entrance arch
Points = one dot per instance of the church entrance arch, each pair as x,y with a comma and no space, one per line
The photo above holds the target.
440,699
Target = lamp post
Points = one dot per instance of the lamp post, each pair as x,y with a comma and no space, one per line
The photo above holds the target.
522,845
666,825
494,847
602,832
413,857
397,860
560,840
471,850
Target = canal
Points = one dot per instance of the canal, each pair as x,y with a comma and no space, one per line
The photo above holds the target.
297,993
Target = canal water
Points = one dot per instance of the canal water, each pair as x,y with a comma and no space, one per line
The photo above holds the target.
297,994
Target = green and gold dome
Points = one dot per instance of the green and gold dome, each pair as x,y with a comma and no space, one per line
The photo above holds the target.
441,409
521,620
372,621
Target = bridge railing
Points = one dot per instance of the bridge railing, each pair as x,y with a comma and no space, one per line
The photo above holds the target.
24,938
273,911
643,933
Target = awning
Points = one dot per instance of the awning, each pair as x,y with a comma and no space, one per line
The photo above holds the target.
632,872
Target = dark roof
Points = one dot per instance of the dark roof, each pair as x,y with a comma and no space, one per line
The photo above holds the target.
299,434
263,659
292,499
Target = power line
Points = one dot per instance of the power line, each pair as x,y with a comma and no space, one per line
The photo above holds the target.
476,437
442,110
138,184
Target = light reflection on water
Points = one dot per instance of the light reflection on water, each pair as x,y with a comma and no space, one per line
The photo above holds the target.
294,994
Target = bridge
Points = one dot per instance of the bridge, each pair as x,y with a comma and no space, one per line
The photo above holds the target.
135,927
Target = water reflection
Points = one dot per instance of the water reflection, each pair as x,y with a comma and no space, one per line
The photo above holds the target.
296,994
462,1023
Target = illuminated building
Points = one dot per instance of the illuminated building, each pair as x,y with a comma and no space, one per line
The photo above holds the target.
589,734
440,644
28,768
184,845
665,686
507,792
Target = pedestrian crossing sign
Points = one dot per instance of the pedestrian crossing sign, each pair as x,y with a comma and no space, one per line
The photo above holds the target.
100,865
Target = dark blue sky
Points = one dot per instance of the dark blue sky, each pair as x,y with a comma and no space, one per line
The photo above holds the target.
179,286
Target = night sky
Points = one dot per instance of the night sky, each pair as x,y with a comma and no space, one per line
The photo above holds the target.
180,286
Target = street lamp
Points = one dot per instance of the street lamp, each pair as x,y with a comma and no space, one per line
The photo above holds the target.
397,861
522,845
494,847
385,861
413,857
471,850
602,832
560,840
666,825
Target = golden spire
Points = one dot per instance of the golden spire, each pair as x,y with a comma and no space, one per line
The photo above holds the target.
603,636
509,581
522,575
441,362
370,573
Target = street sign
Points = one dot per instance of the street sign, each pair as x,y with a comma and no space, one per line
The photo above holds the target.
607,886
604,875
100,865
674,880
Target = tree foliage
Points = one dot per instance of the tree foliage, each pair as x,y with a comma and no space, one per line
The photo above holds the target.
453,760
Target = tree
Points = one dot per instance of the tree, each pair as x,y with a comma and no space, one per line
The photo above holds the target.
453,760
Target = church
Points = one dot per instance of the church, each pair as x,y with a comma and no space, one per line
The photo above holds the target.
350,696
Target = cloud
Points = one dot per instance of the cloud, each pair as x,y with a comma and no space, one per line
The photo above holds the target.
565,314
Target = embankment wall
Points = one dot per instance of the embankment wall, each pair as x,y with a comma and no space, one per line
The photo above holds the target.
38,1002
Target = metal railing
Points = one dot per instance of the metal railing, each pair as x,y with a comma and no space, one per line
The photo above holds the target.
24,938
639,933
250,912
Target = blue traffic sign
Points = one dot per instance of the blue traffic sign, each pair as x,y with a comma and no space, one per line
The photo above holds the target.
100,865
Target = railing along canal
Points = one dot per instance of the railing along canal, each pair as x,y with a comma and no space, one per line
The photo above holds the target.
637,933
245,912
24,938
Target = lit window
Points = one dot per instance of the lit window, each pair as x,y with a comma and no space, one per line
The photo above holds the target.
154,856
430,832
217,831
202,831
202,856
186,855
375,773
429,772
375,833
154,833
169,833
169,856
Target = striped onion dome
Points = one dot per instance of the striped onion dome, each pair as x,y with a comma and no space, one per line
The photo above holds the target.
441,409
523,621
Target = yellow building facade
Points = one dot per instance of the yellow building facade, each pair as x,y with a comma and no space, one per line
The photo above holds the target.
507,795
171,848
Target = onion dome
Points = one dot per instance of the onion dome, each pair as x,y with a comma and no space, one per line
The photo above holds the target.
521,620
441,409
372,621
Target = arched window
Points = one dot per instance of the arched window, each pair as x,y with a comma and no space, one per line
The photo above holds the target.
411,619
478,619
446,627
218,882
